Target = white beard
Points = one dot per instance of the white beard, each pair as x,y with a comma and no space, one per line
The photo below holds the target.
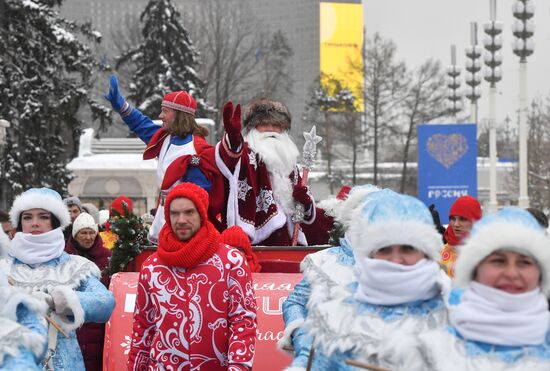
280,156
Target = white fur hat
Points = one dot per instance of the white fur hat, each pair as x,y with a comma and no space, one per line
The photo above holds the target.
82,221
332,203
92,210
511,229
40,198
103,217
387,218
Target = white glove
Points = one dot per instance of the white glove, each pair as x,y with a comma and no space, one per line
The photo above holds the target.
61,303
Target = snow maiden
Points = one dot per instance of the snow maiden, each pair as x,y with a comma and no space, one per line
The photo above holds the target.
398,289
68,284
499,315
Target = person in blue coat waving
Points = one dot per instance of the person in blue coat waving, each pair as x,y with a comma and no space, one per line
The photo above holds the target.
180,147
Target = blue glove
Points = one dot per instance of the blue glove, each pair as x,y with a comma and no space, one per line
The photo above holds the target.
114,96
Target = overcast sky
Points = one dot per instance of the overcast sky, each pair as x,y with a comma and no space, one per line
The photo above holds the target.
424,29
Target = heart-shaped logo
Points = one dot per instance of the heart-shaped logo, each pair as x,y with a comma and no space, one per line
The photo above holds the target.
447,149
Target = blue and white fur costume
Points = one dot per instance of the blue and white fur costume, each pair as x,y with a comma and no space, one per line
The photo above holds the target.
22,333
68,284
385,298
489,328
326,275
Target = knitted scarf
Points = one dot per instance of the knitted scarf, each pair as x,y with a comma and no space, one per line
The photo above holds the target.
452,238
188,254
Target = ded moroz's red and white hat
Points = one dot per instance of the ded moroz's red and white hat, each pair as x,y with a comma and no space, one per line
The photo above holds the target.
180,101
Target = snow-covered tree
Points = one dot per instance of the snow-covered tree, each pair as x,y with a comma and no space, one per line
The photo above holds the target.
165,61
275,75
230,41
46,68
385,89
331,106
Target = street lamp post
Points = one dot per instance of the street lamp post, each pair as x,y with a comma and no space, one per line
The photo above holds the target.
493,59
523,46
454,96
473,75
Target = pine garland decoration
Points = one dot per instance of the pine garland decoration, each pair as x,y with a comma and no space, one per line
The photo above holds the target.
132,239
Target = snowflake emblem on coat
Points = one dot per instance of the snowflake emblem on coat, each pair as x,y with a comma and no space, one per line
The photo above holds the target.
264,200
252,159
243,189
126,344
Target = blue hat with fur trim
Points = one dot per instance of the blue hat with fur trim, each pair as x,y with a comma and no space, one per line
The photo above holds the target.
511,229
388,218
356,197
40,198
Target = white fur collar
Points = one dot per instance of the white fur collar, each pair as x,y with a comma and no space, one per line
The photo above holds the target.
46,277
338,326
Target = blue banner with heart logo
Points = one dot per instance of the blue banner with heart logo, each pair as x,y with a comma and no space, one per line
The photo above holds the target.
447,159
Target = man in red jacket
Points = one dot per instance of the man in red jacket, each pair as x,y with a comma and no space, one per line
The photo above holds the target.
195,306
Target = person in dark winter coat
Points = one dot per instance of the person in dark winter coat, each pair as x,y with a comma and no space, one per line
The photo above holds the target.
85,241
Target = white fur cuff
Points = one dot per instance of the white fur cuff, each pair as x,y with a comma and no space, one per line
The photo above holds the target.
67,304
11,297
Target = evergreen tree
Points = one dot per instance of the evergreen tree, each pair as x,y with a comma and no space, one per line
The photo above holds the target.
276,77
45,78
132,238
165,61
